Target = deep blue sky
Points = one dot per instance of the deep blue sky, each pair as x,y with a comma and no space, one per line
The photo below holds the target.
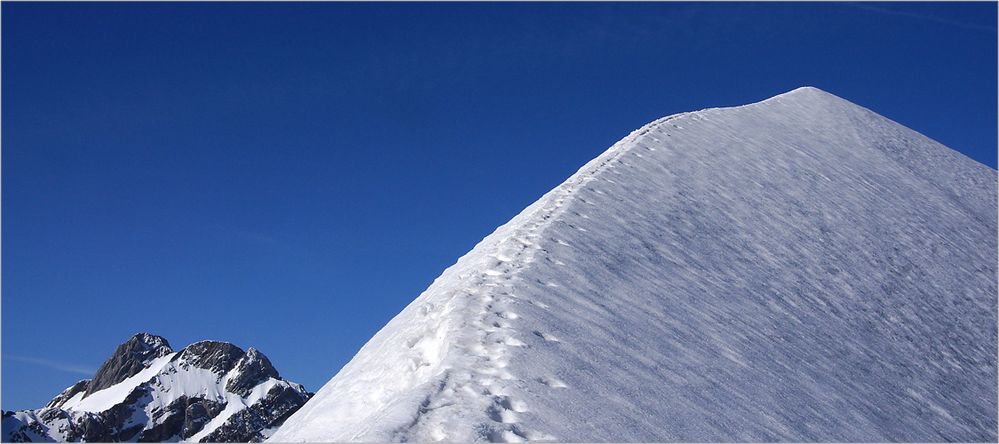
290,176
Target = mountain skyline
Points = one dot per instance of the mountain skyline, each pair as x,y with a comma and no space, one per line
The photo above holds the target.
703,279
201,170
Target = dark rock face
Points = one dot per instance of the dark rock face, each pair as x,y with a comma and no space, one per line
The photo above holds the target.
183,417
70,426
142,417
247,424
252,369
113,425
197,414
128,359
219,357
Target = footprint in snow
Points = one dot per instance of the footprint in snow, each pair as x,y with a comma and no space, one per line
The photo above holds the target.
513,342
545,336
502,415
538,303
511,404
552,382
503,257
507,436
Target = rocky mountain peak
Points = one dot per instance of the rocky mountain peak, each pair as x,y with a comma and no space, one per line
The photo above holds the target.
210,391
128,359
217,356
252,369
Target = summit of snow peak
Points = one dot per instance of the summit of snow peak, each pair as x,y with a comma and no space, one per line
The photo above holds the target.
798,269
806,90
807,93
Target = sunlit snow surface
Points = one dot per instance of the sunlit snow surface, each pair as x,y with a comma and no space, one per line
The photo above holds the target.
797,269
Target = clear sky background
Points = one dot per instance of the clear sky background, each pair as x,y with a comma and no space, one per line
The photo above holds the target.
290,176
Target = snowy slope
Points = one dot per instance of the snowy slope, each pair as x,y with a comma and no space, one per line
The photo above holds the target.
210,390
795,269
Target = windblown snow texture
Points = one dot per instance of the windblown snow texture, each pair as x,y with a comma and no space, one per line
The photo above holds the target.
797,269
210,391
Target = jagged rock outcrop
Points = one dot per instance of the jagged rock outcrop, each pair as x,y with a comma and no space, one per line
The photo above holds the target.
69,393
211,391
218,357
252,369
128,359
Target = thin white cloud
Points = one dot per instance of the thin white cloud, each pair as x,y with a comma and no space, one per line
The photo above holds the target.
69,368
920,16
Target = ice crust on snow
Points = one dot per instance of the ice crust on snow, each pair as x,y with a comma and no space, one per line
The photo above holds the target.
797,269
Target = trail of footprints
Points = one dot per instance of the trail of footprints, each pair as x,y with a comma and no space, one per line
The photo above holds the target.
495,319
496,332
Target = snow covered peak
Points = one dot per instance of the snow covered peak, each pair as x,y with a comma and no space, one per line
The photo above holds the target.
209,391
803,99
806,90
808,93
798,269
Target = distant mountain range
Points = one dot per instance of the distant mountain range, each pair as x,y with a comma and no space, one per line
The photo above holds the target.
210,391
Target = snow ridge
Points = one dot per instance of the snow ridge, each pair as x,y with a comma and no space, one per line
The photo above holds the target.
493,319
787,270
434,333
